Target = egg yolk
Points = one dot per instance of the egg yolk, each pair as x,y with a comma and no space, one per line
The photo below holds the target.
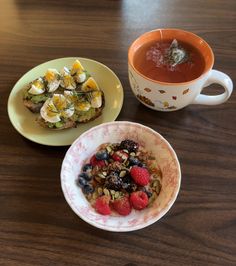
59,102
90,84
77,67
50,76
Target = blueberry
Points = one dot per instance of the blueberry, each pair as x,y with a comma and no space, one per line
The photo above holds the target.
87,167
129,187
125,185
102,155
81,182
149,193
86,176
127,179
88,188
134,161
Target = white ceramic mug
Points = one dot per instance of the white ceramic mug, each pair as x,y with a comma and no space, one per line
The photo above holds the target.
164,96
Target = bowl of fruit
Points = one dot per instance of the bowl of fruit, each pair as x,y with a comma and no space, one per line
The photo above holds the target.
120,176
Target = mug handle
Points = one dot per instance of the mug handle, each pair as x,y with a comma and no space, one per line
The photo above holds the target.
219,78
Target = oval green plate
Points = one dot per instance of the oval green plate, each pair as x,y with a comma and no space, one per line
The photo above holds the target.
24,121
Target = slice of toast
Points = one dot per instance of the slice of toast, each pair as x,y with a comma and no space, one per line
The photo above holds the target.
92,114
89,106
35,102
72,122
33,107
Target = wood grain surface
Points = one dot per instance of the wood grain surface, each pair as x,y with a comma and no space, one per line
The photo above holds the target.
37,227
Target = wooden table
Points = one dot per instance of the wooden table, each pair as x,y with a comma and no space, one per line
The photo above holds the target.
37,227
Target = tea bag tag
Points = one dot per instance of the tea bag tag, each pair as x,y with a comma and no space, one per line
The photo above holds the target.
176,54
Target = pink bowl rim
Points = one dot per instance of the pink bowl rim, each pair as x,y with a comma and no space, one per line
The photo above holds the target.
135,227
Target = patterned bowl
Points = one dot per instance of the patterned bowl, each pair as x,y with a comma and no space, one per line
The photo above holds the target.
85,146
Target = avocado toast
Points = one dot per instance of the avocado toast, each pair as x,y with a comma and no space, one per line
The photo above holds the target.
64,99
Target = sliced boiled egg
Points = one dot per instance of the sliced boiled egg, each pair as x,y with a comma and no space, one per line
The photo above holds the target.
80,105
37,87
78,72
80,77
53,79
56,107
59,101
83,106
49,112
68,112
96,99
67,81
71,96
77,67
90,85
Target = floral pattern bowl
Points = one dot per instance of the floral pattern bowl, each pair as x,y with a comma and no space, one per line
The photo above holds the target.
85,146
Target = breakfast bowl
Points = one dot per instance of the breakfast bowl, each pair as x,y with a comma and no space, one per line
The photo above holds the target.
86,145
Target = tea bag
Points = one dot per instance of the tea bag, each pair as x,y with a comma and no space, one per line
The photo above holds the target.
176,54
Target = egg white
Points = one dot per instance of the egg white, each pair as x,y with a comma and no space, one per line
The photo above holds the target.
44,112
90,85
65,73
53,85
80,77
96,100
36,90
56,107
68,112
55,82
83,106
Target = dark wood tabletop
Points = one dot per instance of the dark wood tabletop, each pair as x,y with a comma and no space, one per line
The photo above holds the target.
37,226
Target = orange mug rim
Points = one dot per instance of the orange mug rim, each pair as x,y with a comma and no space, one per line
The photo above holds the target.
130,61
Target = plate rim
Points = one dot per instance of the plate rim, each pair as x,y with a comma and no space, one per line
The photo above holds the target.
50,61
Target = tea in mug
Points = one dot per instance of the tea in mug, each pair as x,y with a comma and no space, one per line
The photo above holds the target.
169,61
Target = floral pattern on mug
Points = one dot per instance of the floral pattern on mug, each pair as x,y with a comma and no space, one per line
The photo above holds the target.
186,91
147,89
145,100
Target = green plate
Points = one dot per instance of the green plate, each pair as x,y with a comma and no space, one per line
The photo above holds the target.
24,121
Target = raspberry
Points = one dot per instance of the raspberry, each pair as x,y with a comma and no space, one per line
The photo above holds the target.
95,162
140,175
120,156
122,206
139,200
102,205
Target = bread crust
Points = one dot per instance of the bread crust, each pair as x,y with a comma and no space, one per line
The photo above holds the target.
33,107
